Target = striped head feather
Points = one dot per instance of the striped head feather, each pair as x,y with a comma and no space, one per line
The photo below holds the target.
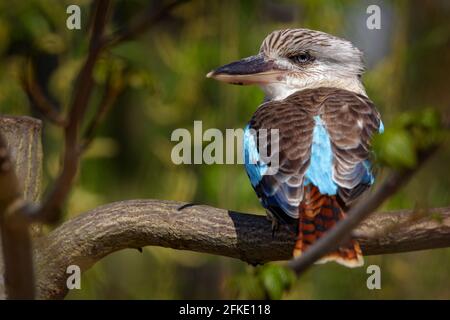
292,60
313,59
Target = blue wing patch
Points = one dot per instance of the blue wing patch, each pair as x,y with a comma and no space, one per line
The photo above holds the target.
381,127
319,172
369,177
253,165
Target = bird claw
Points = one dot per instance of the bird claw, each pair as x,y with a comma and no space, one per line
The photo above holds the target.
274,221
275,227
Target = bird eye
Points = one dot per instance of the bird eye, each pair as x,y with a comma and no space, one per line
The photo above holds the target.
301,58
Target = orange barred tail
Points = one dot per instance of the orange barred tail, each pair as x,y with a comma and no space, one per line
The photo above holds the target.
319,213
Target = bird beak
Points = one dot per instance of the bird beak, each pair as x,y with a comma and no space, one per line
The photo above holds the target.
251,70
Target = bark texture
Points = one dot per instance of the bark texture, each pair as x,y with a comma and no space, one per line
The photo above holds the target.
23,137
23,140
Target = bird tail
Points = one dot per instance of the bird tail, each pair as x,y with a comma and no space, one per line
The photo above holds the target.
318,214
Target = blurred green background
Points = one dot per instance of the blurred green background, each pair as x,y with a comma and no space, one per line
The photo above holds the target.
164,87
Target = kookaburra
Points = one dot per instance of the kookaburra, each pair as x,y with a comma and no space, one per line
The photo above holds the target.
325,121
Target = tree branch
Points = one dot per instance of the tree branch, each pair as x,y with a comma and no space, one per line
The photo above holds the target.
50,209
20,155
23,138
15,239
133,224
113,87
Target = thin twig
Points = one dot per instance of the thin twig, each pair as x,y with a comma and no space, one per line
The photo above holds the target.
148,19
112,90
332,239
39,100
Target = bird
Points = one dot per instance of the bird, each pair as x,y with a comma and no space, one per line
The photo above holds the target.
316,101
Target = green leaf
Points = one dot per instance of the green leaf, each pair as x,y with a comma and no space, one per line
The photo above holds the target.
246,286
395,147
430,119
273,284
276,280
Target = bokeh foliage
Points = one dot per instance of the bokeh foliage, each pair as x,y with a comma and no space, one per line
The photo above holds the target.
163,75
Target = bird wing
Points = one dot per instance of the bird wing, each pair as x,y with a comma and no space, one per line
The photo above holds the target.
350,120
282,191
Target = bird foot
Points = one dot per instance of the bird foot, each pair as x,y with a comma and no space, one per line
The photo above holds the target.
275,223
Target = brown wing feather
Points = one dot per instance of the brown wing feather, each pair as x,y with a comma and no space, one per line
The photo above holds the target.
351,120
295,125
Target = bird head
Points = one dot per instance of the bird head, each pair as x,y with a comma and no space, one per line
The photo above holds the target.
296,59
